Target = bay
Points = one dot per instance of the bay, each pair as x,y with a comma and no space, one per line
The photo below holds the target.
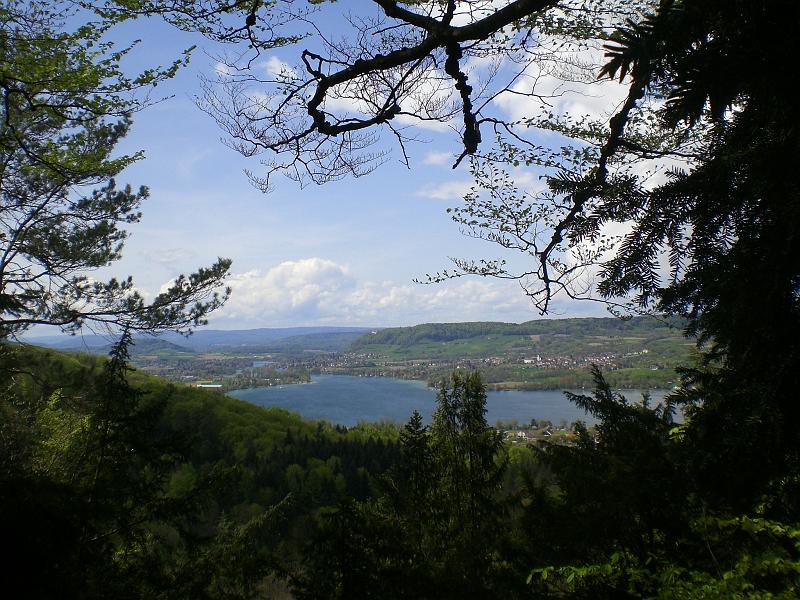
347,400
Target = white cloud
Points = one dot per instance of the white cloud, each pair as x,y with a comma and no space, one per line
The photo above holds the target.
345,104
319,291
432,124
527,181
448,190
298,288
471,13
597,99
223,70
275,67
169,256
563,89
438,158
426,101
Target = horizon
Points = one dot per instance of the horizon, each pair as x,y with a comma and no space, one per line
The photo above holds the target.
27,336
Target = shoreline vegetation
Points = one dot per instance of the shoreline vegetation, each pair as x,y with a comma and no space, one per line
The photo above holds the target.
544,380
258,377
640,353
533,379
674,194
433,384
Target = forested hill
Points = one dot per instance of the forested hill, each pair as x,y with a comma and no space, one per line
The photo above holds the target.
485,338
445,332
217,340
114,483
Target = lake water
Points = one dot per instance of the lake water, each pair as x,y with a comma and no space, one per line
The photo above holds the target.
347,400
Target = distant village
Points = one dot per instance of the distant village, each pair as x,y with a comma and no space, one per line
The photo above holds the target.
227,372
538,434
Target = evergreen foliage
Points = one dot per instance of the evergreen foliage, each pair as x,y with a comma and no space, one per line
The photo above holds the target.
629,518
116,485
433,530
729,224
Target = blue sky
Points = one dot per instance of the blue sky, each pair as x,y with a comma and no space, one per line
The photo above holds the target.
340,254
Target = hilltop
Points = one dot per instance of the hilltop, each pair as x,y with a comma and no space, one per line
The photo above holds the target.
557,336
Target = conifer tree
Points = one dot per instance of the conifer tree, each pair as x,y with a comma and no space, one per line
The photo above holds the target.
470,464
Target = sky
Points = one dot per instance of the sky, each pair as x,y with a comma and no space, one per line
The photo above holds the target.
345,253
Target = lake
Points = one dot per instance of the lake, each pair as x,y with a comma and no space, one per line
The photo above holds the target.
346,400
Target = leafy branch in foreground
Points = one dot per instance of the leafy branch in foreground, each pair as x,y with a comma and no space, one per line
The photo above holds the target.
65,103
399,68
745,558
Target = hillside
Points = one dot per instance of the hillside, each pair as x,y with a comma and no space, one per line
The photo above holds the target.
204,340
557,336
153,347
541,354
328,341
180,468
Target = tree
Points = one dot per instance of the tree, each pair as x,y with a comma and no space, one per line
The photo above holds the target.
624,517
66,103
411,481
683,202
470,462
678,59
621,488
404,63
725,222
740,203
94,492
432,529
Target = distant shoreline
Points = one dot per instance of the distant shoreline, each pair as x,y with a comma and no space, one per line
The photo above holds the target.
506,386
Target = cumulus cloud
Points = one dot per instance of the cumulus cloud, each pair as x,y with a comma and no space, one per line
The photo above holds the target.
298,289
316,291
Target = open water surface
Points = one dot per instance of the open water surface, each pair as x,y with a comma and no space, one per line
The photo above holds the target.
346,400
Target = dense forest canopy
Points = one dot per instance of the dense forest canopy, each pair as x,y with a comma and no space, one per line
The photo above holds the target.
440,332
111,484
